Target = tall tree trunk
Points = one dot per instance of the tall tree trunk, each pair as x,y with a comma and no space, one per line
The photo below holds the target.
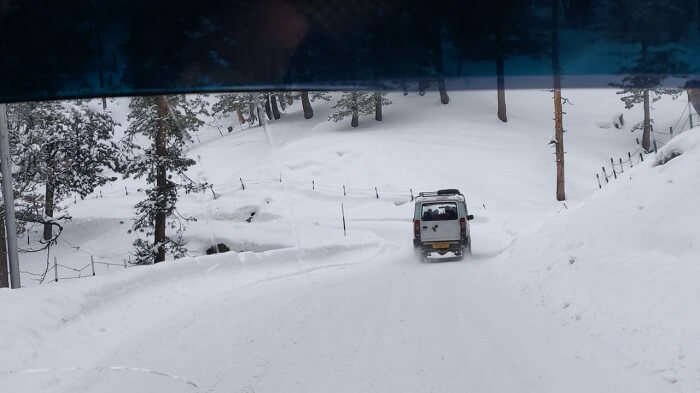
283,103
306,105
422,86
104,103
444,98
355,111
260,115
4,272
241,119
355,119
275,108
500,81
693,91
161,180
558,115
253,117
48,207
268,108
378,106
646,136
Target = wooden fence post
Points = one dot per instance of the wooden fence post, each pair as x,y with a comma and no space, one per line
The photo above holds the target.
605,174
629,155
622,166
92,264
342,211
344,193
376,192
55,269
411,190
242,184
597,177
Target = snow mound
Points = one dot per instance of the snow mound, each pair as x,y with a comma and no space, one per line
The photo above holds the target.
685,142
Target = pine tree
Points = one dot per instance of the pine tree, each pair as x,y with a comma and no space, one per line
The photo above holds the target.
354,104
245,105
168,122
67,147
306,105
380,100
645,26
643,88
275,109
503,29
308,97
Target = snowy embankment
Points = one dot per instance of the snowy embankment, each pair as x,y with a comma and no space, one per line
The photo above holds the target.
584,296
621,268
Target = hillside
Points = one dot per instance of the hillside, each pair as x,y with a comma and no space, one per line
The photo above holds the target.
587,295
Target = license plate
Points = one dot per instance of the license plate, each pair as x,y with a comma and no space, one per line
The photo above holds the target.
441,245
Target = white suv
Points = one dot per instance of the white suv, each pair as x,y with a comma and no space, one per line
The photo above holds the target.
441,223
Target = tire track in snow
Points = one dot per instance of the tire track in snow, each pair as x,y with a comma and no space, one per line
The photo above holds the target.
100,369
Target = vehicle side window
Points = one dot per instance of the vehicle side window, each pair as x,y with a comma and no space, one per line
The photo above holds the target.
439,211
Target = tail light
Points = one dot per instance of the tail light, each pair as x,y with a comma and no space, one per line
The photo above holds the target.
463,227
416,229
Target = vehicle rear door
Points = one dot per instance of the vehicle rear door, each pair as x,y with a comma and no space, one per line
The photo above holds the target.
439,221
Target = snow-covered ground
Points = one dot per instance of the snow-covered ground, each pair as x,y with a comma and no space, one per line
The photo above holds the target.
594,294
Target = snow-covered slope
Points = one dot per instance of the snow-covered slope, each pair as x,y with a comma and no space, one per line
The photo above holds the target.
583,296
622,267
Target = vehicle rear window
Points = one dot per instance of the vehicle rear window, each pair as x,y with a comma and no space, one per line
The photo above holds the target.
439,211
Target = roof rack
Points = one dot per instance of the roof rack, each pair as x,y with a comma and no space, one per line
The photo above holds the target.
449,191
445,192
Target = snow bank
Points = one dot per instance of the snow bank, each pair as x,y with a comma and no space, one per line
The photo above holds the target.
621,270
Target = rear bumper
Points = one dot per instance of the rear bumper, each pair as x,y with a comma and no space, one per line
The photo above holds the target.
426,247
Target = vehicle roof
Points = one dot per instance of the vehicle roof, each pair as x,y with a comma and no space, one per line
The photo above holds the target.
441,198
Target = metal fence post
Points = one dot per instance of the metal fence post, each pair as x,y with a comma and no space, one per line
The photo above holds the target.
55,269
92,263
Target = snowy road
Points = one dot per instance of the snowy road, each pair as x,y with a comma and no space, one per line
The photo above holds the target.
366,320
